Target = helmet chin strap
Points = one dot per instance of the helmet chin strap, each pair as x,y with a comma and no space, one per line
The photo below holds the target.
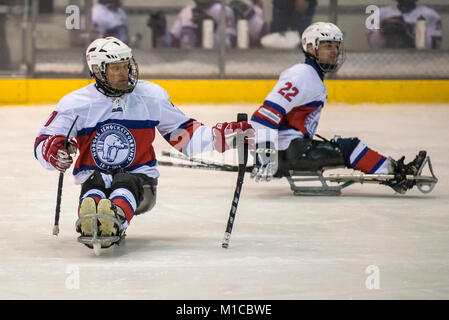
324,67
106,89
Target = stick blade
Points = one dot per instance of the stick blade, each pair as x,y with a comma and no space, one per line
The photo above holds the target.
226,239
55,230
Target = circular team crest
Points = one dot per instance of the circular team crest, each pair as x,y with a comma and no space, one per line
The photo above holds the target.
113,147
311,123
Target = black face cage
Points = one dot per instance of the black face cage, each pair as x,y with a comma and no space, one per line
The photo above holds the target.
333,67
104,87
328,67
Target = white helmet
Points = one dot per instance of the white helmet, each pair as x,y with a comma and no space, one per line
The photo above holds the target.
323,31
102,52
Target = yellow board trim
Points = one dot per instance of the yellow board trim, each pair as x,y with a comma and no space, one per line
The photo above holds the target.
50,91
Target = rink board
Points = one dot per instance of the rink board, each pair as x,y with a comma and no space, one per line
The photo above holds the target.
42,91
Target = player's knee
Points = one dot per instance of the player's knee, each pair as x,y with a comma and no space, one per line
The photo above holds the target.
95,181
130,182
149,199
142,187
346,146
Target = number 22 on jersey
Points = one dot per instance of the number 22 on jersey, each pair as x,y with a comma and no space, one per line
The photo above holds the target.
288,91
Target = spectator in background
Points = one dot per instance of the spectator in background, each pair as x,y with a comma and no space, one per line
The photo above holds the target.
136,41
186,31
397,24
157,22
254,14
109,19
293,15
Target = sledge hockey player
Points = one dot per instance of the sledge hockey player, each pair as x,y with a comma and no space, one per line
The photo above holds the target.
114,133
286,122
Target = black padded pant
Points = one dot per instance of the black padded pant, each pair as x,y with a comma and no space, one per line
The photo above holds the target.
143,188
310,155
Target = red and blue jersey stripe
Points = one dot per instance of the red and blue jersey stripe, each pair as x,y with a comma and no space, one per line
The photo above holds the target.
274,116
38,140
269,114
180,137
297,117
143,132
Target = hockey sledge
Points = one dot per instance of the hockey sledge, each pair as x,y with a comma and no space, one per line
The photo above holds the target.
301,182
425,184
95,241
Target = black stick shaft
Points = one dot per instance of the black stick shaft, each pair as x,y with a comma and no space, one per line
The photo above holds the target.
58,199
243,158
60,183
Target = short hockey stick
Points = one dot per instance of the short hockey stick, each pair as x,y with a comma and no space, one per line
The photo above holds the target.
243,158
60,182
181,156
191,165
194,163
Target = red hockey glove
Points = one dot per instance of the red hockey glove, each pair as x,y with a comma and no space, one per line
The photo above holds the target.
54,152
225,133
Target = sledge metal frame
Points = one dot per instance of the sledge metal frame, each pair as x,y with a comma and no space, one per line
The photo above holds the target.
95,240
296,177
425,184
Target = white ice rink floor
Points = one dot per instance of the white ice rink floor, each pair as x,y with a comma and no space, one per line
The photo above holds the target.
368,243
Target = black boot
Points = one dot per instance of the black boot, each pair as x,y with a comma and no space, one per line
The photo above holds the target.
400,183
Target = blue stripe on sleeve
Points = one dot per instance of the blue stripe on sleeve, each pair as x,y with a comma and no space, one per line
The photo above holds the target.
43,137
275,106
184,125
314,104
263,122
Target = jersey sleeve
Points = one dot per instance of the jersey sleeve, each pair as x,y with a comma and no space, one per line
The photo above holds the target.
59,122
185,134
286,95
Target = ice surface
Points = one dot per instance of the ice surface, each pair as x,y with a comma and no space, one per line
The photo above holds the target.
282,246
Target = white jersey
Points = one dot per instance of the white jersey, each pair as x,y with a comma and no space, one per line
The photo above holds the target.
115,133
110,22
293,108
433,22
183,27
